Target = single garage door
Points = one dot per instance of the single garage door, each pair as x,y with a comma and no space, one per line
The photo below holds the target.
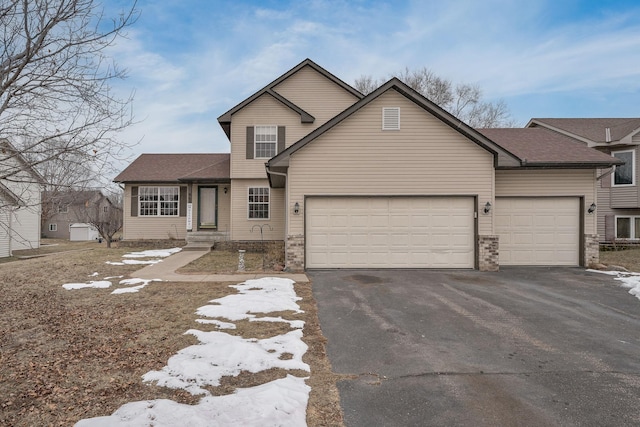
538,231
390,232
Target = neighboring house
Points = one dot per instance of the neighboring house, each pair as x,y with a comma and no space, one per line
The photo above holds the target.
618,203
66,208
20,187
387,180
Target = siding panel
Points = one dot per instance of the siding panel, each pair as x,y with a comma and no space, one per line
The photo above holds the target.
425,157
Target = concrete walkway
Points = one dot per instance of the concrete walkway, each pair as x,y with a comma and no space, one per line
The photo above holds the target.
166,270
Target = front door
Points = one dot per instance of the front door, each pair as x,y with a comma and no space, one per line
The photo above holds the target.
207,208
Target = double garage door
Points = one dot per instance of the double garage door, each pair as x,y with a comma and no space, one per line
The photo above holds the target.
390,232
437,232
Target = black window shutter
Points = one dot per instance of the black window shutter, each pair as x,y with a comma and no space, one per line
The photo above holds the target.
183,201
249,142
134,201
281,136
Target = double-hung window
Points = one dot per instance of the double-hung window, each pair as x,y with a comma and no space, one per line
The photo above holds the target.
159,201
265,141
628,227
624,174
258,202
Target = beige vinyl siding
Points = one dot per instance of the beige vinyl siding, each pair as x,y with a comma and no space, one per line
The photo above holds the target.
540,183
315,94
147,227
636,138
424,157
263,111
241,225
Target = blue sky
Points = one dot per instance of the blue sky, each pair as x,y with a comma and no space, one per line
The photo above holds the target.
190,61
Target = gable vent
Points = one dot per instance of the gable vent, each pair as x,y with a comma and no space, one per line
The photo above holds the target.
391,118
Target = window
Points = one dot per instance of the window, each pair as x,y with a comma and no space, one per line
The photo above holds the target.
159,201
53,227
258,202
391,118
105,209
625,174
63,208
628,227
265,141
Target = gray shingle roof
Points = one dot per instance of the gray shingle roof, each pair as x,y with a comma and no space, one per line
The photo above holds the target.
543,147
177,167
593,129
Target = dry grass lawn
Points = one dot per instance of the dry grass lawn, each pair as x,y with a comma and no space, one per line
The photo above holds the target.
627,258
68,355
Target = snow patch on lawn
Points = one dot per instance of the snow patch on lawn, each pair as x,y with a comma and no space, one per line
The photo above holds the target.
277,403
220,354
281,402
267,295
139,284
97,284
153,253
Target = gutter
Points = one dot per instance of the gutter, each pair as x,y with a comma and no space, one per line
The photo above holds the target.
270,172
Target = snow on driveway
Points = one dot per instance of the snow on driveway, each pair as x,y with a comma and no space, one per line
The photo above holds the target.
282,402
630,280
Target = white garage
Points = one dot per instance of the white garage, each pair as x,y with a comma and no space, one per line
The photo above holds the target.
390,232
538,230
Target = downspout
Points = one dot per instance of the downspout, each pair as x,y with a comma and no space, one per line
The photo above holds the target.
286,198
609,172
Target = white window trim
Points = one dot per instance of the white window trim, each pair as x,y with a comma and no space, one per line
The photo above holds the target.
632,226
255,142
385,123
249,206
633,166
159,210
53,227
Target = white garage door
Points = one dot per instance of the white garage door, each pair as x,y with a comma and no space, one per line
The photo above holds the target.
390,232
538,231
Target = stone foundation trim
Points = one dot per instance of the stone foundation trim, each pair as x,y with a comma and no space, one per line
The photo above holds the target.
294,256
591,249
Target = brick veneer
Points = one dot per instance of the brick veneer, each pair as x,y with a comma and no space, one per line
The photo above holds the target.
488,252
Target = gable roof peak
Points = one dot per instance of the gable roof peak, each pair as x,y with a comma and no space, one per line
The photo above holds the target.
225,119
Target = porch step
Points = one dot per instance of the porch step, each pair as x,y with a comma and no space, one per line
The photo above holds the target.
198,246
203,240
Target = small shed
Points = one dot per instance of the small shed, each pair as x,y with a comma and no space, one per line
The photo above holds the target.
79,232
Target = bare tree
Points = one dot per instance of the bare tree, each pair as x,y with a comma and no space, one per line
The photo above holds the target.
462,100
102,212
57,104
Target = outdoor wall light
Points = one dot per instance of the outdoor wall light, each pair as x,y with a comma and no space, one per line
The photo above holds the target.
296,208
225,190
592,208
487,208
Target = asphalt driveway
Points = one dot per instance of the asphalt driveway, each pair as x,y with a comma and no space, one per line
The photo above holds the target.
525,346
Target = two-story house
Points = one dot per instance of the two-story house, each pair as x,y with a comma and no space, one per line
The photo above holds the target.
20,187
63,210
386,180
618,203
